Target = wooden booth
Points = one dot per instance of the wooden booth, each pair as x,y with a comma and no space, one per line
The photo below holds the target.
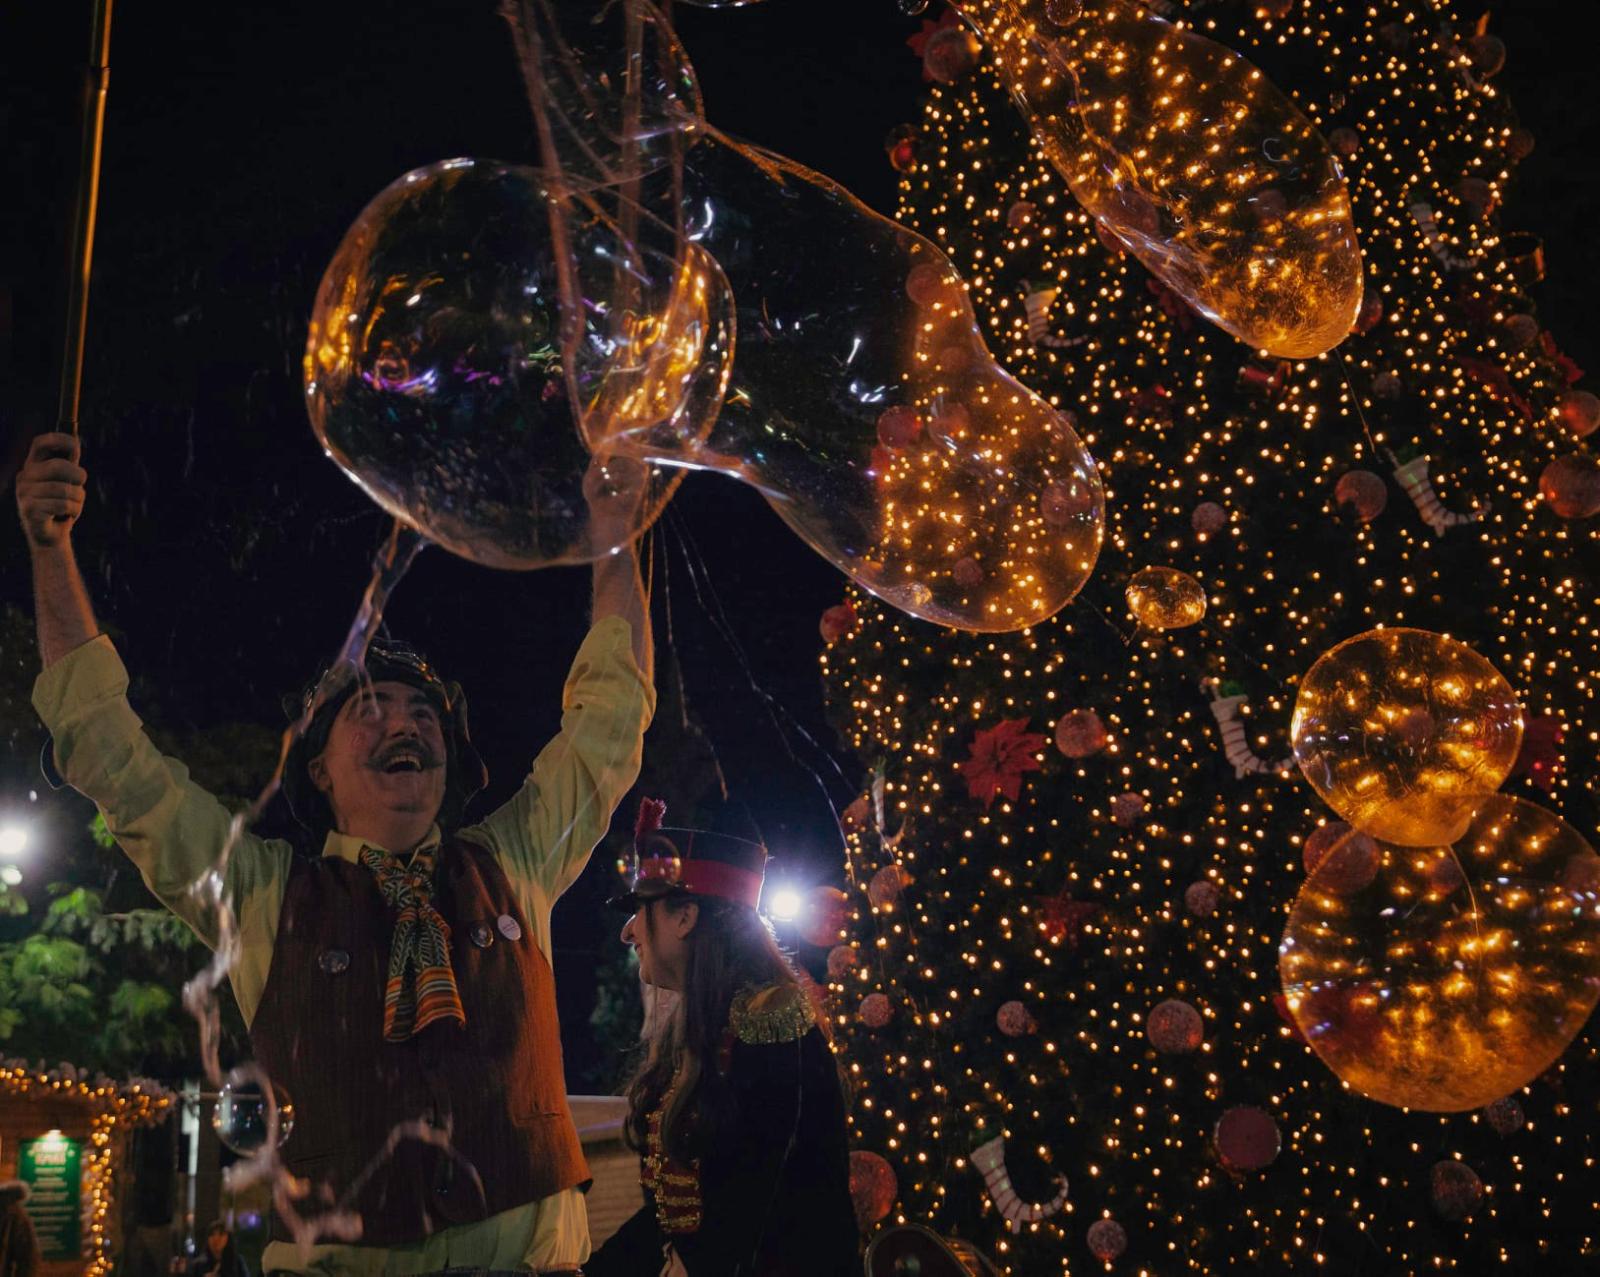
66,1135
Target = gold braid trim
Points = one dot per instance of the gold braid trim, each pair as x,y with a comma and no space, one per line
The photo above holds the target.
777,1013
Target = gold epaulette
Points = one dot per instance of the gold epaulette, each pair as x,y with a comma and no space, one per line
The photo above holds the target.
777,1013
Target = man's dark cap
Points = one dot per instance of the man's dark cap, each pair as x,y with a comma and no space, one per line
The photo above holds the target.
387,661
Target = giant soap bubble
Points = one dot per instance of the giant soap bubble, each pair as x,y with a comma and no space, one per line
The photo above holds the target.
1404,733
436,375
1189,155
477,312
612,90
866,408
1460,972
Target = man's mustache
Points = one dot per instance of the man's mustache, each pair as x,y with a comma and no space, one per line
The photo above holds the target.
420,750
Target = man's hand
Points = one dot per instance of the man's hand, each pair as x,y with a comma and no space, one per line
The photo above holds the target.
50,491
50,499
615,489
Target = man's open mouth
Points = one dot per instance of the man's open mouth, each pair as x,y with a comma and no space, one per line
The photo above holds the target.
405,758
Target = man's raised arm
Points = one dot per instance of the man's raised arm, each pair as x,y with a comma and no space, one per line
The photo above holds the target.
547,830
615,489
169,827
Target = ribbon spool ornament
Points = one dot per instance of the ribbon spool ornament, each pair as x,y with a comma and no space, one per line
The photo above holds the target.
1404,733
1454,974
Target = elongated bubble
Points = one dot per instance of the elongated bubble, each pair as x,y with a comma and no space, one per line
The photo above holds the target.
1212,178
865,406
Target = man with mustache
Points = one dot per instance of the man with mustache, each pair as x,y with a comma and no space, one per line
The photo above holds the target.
397,986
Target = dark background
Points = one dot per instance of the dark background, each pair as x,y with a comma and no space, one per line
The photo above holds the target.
227,554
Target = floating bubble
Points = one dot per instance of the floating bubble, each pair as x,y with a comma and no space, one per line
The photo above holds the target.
1404,733
613,93
1207,173
1165,599
865,406
245,1118
1461,972
435,374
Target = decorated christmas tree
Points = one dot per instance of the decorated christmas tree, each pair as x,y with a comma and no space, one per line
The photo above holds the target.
1060,999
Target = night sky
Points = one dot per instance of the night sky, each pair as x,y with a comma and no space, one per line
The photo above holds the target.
227,555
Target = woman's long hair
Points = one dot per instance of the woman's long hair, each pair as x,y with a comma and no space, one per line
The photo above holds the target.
731,946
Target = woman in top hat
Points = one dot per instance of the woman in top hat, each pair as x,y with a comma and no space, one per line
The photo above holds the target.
737,1111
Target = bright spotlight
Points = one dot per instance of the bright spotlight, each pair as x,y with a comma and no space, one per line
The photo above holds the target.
784,904
13,841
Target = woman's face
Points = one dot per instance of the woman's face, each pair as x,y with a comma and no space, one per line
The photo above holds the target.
659,933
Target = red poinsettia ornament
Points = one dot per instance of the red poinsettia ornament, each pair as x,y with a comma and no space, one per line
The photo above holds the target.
918,43
1000,756
1061,918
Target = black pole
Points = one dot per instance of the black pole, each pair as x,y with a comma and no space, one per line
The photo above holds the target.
96,80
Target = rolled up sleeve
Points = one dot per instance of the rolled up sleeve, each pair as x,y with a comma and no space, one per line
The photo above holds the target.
171,828
546,832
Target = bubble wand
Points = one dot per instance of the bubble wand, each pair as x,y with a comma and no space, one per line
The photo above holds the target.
96,80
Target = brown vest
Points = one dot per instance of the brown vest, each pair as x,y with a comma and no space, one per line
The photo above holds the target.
496,1085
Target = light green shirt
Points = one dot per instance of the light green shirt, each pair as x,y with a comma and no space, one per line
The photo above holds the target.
173,830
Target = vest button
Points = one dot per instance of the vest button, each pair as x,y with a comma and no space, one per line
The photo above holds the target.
333,961
444,1178
510,928
481,935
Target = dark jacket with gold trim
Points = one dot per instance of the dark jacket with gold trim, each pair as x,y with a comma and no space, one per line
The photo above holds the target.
775,1200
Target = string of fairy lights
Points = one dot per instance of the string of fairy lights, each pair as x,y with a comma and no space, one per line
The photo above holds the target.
1179,415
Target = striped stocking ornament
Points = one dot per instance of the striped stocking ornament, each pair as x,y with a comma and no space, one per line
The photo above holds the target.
1235,746
990,1159
1413,477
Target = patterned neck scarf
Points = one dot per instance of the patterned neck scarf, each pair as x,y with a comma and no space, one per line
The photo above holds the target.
422,985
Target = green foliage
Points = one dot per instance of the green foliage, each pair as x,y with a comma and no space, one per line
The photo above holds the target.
616,1018
97,988
90,963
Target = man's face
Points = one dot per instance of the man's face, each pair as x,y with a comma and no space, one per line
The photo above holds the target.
216,1243
385,754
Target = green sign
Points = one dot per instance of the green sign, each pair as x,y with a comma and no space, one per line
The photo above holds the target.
52,1166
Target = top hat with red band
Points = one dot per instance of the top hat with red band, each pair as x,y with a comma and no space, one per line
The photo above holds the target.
695,862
